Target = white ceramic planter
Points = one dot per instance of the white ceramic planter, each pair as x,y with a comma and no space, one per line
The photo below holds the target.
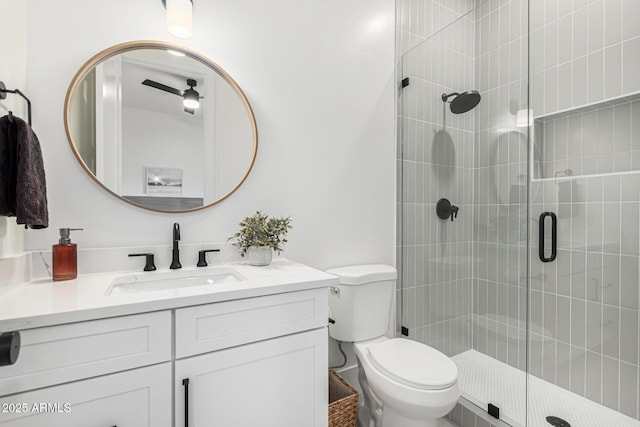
260,255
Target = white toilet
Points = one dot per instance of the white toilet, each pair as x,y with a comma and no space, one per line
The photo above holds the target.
405,383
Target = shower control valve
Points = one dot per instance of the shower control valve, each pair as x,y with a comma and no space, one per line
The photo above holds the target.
446,210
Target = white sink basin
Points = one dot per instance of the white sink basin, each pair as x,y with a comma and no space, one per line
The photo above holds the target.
172,280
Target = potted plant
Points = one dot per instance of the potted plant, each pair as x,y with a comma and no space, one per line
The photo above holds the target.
260,235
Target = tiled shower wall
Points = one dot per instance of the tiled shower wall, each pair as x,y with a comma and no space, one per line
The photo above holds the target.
584,306
419,19
437,162
583,51
500,193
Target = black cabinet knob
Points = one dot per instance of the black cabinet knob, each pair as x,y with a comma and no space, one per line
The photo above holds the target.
9,348
202,257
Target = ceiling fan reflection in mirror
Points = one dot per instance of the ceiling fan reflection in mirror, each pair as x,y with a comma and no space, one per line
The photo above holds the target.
190,97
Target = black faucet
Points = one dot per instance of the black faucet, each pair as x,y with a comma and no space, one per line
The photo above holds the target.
175,253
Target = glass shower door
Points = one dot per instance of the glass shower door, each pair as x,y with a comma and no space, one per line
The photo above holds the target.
585,184
464,276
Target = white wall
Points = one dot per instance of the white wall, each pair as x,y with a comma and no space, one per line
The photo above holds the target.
156,146
320,77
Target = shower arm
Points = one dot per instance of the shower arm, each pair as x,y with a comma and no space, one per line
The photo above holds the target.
445,96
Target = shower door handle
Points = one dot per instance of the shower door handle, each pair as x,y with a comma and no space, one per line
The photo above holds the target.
554,237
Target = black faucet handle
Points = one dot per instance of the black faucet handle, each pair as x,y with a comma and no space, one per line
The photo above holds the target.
149,261
202,256
454,212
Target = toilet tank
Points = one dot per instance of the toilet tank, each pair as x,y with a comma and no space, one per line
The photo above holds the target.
361,306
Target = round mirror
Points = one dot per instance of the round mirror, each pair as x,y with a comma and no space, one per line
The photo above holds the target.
160,126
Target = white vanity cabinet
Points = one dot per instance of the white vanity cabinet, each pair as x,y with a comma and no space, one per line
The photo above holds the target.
255,361
137,398
264,362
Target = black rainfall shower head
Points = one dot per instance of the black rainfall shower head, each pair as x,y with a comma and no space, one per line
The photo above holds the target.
462,102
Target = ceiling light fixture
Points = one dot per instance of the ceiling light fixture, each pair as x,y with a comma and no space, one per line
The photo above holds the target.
191,97
179,17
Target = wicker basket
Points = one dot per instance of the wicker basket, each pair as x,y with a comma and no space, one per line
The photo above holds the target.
343,402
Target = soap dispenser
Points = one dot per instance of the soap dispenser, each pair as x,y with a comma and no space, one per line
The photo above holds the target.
65,256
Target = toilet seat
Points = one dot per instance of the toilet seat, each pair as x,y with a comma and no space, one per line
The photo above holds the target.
413,364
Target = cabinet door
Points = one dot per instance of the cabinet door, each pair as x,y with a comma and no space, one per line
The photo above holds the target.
280,382
136,398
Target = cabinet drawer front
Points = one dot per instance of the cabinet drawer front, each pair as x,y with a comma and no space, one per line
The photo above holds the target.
59,354
216,326
140,398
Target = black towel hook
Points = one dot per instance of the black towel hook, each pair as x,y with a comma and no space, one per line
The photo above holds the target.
3,95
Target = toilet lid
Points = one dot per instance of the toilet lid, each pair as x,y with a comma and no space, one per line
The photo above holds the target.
414,364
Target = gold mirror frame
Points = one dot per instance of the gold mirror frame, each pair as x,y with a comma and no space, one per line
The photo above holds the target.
151,44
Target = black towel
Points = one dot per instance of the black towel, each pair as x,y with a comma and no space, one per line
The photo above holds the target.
23,189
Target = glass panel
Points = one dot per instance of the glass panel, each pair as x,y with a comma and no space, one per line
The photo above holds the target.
584,328
464,281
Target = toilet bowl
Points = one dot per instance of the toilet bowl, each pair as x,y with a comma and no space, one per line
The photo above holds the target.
412,384
405,383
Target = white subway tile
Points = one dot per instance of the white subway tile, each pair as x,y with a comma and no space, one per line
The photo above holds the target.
631,64
596,25
596,76
613,71
581,33
612,22
630,19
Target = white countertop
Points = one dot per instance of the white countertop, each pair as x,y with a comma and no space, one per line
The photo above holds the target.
44,302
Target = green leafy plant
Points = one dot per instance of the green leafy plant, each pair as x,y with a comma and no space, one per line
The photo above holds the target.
260,230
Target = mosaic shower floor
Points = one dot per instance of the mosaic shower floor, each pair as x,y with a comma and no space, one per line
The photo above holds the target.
483,379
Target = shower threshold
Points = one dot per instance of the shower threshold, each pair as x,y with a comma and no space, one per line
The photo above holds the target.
483,379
